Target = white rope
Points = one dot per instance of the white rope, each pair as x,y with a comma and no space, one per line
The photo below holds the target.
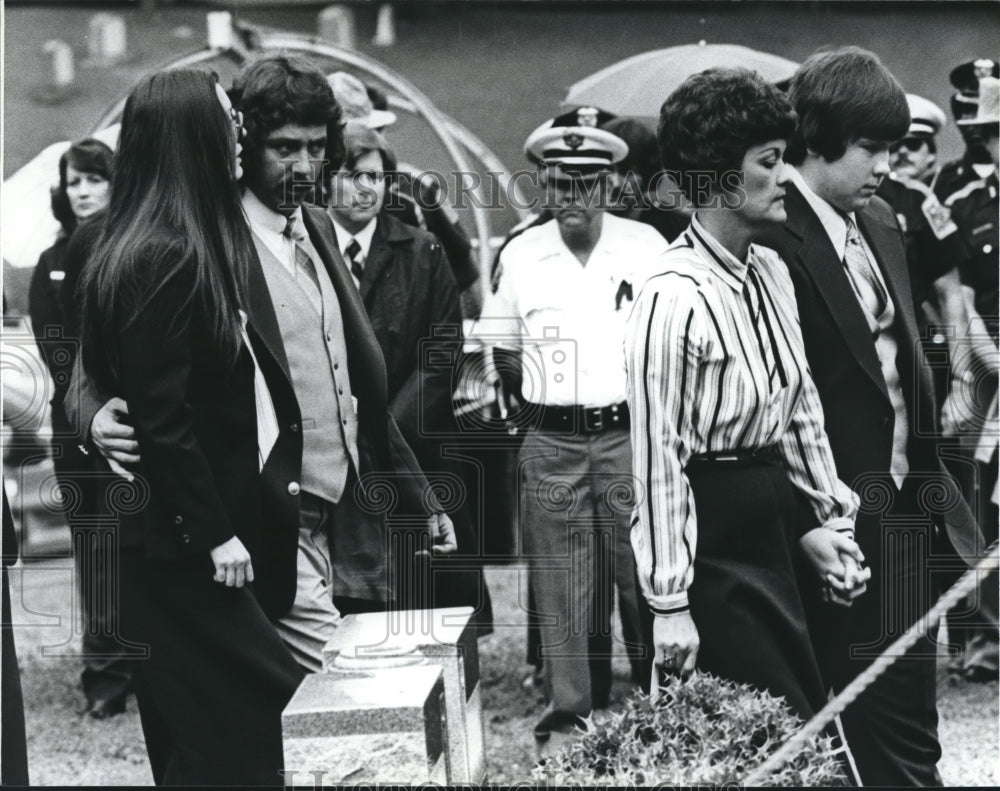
964,586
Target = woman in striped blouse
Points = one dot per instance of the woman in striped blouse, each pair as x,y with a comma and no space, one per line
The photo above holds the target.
736,476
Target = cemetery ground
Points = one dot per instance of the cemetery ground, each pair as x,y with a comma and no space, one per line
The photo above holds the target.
67,748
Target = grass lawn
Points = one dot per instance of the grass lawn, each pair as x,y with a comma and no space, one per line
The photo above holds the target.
67,749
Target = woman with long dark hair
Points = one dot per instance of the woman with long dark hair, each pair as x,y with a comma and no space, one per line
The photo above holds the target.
737,477
80,196
163,329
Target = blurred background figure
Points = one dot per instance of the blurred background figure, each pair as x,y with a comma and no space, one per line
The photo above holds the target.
975,163
914,156
13,739
970,413
414,197
82,193
411,298
636,181
934,277
564,290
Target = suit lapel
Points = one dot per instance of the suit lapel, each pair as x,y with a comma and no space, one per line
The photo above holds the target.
260,308
888,249
890,253
817,255
379,257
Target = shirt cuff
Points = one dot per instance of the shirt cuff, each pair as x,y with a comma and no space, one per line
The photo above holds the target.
670,604
841,525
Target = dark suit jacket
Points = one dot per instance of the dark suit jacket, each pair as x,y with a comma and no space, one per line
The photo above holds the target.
390,475
845,366
411,298
195,419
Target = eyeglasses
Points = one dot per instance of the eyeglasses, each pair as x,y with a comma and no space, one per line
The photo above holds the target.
236,116
911,144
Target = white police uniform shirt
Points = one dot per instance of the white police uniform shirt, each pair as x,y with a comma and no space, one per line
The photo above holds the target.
568,318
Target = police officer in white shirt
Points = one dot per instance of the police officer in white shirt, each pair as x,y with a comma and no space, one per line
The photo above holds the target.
564,291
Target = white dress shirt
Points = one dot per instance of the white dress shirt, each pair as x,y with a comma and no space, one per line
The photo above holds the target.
364,238
269,226
568,318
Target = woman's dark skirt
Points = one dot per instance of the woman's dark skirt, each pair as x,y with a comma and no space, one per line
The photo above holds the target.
745,599
217,675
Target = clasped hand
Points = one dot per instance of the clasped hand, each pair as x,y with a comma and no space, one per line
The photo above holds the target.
837,561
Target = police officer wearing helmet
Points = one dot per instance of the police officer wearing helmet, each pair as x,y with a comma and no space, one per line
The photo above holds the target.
975,163
934,278
563,291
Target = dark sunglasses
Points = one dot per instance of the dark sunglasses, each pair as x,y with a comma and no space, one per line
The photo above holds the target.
911,144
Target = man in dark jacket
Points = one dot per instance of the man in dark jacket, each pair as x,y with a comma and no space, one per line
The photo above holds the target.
411,297
846,256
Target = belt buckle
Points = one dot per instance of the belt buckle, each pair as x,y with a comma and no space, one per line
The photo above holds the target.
593,426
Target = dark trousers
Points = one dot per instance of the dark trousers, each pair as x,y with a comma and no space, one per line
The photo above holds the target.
215,679
891,728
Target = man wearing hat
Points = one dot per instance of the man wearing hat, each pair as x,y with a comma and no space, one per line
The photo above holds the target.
975,162
563,291
924,221
913,156
971,410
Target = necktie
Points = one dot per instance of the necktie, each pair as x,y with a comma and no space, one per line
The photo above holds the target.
305,270
353,251
866,285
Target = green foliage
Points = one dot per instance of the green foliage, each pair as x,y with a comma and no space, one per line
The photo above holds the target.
701,731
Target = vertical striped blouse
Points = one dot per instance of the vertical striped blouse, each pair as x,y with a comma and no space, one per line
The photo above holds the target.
716,364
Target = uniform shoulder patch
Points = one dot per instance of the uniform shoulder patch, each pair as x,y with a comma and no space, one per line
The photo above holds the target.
938,217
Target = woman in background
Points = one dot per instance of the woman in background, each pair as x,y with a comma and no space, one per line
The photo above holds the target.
81,194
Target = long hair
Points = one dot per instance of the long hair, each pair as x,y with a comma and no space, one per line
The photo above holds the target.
174,206
84,156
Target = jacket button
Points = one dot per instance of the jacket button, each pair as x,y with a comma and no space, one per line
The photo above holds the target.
186,538
886,421
293,488
294,428
178,520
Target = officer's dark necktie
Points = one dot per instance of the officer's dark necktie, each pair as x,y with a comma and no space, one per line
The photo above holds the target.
353,251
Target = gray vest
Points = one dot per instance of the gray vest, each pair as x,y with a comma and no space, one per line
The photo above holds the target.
317,361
